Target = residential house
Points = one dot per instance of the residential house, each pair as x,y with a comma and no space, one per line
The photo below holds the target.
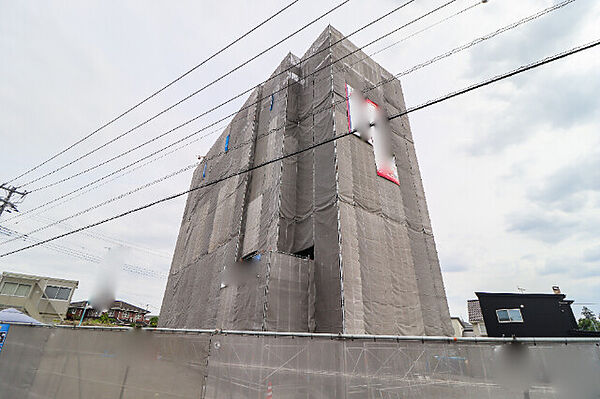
529,315
121,311
461,328
476,318
46,299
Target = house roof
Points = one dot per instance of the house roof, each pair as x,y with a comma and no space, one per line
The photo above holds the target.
464,324
38,278
560,297
474,310
116,305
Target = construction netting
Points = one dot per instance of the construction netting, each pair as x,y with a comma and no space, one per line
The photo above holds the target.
50,362
375,267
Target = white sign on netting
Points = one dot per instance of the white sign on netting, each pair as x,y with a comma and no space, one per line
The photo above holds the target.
366,120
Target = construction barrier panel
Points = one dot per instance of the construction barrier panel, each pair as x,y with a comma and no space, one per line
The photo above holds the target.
60,362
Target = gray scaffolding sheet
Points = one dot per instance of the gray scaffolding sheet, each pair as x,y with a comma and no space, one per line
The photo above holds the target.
375,267
51,362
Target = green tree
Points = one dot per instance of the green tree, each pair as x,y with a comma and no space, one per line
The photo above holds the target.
588,322
154,321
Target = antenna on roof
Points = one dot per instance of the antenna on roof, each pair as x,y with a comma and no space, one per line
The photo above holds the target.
556,289
520,289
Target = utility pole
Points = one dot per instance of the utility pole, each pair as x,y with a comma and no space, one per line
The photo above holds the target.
5,203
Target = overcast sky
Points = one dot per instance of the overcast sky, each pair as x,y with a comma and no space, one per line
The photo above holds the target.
511,172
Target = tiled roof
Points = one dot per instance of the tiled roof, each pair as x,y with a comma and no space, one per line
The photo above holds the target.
116,305
466,325
474,310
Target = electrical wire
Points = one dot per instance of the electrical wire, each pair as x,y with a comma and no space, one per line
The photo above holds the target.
243,108
224,103
427,104
154,94
55,247
213,82
425,29
111,200
80,255
432,60
416,67
248,90
104,238
481,39
461,48
124,168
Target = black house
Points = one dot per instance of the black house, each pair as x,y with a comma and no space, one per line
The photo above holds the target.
528,315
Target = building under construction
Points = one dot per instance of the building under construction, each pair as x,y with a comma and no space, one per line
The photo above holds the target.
327,240
332,239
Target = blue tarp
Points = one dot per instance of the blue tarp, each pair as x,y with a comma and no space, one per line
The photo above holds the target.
12,315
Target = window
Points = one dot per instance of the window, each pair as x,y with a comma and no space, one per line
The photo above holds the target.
9,288
51,292
15,289
509,315
61,293
22,290
482,330
515,315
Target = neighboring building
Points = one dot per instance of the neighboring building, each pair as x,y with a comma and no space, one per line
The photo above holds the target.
476,318
120,310
461,328
528,315
334,239
44,298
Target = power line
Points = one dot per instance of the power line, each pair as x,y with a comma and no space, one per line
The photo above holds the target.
245,107
437,58
105,238
430,61
190,95
455,50
250,89
44,205
55,247
426,28
118,197
85,256
220,105
156,92
484,38
466,46
427,104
